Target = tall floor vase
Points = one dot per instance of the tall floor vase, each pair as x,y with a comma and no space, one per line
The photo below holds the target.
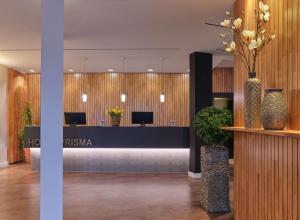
252,91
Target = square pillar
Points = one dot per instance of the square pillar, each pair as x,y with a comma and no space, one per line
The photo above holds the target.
200,97
52,59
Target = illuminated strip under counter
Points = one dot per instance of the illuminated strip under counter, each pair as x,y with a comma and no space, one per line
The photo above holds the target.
112,160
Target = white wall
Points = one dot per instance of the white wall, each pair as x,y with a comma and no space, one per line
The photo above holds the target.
3,116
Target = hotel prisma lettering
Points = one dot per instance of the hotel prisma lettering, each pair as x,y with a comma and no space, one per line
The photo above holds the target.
68,142
77,142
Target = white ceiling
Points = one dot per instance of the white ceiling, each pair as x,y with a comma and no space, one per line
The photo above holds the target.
132,35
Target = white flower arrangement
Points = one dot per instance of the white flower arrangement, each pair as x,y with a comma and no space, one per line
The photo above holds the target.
250,42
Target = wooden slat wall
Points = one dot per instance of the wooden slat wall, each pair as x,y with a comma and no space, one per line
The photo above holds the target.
279,64
104,90
16,101
33,96
267,168
266,177
223,80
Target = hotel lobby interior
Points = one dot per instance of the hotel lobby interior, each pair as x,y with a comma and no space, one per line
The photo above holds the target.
150,110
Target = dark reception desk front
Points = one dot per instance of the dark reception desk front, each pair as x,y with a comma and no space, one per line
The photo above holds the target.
118,149
116,137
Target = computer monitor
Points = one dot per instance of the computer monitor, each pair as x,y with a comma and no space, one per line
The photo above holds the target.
142,118
75,118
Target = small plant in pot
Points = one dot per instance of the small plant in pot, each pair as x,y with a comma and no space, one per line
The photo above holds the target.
27,121
115,116
214,193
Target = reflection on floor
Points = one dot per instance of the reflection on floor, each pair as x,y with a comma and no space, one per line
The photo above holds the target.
92,196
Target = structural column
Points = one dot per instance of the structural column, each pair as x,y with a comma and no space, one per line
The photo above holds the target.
200,97
52,52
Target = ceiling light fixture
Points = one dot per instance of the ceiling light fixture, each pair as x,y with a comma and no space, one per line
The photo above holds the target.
32,71
162,98
110,70
123,98
71,70
150,70
84,97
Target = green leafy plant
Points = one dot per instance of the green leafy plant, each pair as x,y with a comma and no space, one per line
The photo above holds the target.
26,120
208,122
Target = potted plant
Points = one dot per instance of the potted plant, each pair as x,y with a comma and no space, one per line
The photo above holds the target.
27,121
247,46
115,116
214,196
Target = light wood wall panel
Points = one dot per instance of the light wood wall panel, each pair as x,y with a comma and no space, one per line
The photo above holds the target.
16,101
267,168
104,89
266,177
223,80
279,64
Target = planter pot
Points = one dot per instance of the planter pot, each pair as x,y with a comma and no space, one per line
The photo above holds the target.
214,193
274,113
115,121
27,156
252,91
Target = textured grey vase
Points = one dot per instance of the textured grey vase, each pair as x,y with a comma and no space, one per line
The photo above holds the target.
214,192
252,91
274,113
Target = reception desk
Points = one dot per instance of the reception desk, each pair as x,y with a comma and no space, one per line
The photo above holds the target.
118,149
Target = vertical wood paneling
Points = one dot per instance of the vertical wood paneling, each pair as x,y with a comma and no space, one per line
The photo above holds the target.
223,80
16,100
278,65
33,95
104,89
266,177
267,182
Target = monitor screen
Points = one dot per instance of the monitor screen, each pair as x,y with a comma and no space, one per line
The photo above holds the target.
75,118
142,118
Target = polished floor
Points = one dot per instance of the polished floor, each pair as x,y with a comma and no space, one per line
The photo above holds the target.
89,196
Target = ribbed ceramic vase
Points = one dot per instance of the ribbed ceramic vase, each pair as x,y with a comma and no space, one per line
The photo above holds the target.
274,112
252,91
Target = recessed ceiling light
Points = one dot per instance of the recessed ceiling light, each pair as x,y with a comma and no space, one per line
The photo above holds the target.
150,70
71,70
110,70
187,70
32,71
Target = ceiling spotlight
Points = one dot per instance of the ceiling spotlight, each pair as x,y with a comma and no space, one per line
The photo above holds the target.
32,71
187,70
71,70
150,70
110,70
